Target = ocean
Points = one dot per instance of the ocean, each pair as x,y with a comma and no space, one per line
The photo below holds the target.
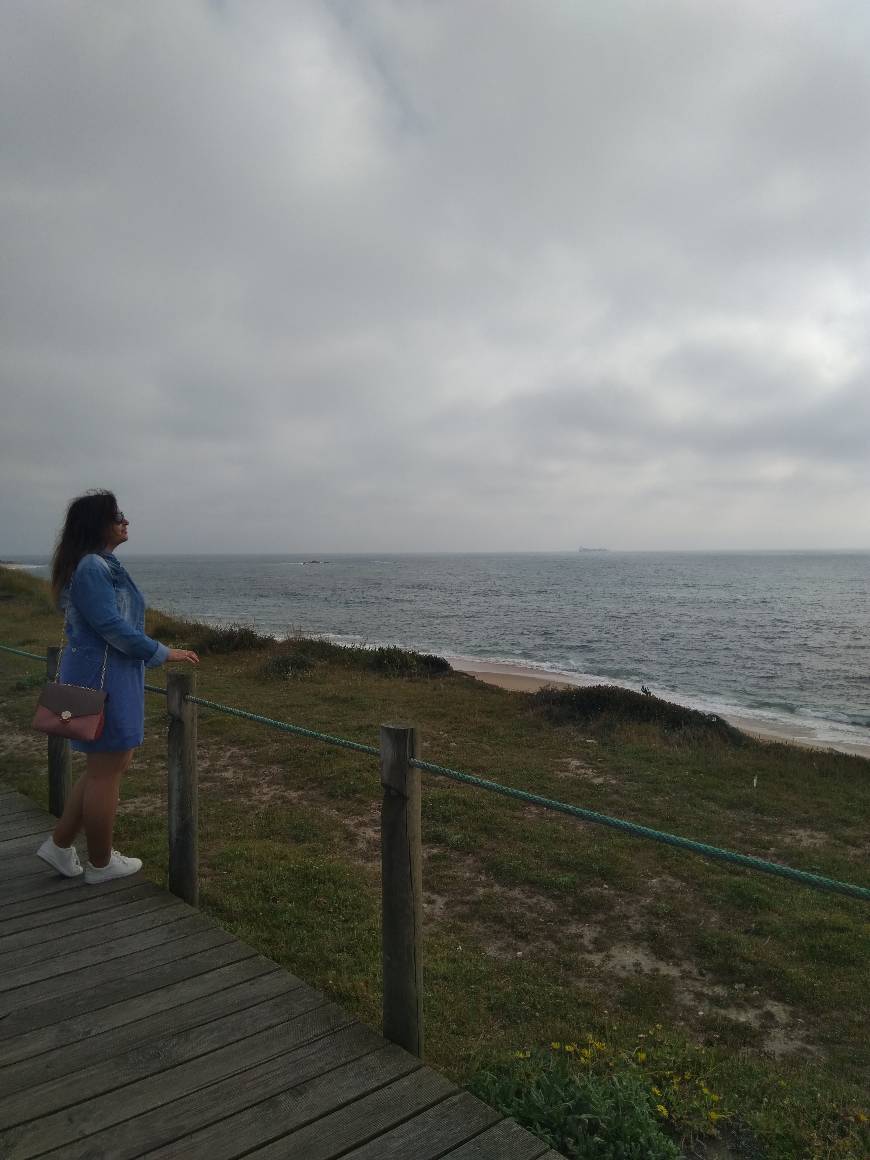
781,638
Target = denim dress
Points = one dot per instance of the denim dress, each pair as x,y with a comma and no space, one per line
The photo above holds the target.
103,607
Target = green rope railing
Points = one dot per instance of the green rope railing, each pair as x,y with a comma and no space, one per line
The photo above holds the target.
19,652
804,877
637,831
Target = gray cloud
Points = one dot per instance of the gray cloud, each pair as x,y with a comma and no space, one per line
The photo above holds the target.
347,275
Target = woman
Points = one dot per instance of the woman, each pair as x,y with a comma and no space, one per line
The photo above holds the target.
105,648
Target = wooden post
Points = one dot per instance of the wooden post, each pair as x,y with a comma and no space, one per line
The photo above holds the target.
402,889
183,806
59,755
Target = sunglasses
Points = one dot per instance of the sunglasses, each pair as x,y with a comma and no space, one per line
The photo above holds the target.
120,518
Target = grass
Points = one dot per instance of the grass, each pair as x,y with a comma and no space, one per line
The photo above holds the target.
539,929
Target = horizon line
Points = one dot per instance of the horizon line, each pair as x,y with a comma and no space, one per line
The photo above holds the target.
470,552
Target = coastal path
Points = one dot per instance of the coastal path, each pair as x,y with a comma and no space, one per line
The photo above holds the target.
132,1025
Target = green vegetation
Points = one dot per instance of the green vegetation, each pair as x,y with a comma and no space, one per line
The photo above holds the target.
296,655
583,1115
693,974
610,706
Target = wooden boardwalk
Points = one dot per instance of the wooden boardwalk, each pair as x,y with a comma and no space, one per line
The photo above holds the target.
131,1025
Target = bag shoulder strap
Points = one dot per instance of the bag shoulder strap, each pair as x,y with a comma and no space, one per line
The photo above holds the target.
64,640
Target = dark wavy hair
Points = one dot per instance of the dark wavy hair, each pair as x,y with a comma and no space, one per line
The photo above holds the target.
84,530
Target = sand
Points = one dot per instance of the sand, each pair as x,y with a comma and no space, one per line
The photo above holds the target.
520,680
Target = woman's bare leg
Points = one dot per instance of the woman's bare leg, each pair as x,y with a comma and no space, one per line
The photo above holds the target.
70,822
100,801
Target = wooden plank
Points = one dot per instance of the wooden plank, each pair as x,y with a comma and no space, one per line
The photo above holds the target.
90,902
26,813
307,1099
175,922
25,851
68,966
18,868
504,1141
9,821
11,801
15,803
47,882
63,945
24,864
24,847
22,808
53,934
90,977
54,899
21,827
57,1066
63,1129
156,1056
450,1123
17,1048
185,1127
361,1120
190,958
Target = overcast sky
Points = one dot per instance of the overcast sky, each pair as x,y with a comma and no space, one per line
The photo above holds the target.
350,275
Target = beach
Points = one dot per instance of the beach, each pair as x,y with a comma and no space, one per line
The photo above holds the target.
521,680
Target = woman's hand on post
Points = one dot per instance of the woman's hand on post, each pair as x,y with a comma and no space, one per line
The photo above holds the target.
183,654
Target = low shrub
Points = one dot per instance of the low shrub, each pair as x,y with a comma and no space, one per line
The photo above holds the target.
229,638
400,662
583,1115
297,655
207,638
615,705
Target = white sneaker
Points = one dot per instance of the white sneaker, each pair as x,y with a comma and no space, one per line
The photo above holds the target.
118,866
64,859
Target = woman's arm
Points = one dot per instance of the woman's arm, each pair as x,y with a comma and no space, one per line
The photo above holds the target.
93,595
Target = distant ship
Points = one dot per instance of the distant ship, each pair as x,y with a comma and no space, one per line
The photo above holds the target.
581,549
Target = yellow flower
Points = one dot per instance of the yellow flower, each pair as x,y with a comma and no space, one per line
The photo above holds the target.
555,1045
655,1091
713,1117
715,1098
572,1047
862,1119
662,1111
641,1057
